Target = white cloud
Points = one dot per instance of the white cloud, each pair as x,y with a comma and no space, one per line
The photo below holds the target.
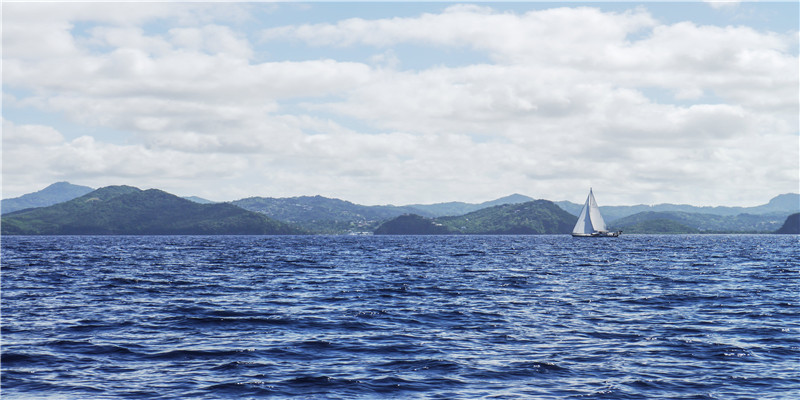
628,48
563,104
36,154
558,35
33,135
569,79
213,39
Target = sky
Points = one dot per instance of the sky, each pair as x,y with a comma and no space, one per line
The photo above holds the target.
402,103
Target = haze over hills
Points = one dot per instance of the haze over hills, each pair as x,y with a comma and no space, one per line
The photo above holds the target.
199,200
125,210
455,208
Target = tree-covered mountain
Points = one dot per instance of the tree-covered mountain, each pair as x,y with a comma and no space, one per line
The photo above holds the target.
533,217
412,224
333,216
684,222
319,214
658,226
791,226
125,210
784,204
58,192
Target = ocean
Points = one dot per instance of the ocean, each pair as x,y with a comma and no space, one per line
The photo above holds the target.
401,317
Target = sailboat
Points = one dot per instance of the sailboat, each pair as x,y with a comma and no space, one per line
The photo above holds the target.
590,222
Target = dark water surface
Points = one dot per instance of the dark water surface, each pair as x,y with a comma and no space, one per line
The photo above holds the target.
548,317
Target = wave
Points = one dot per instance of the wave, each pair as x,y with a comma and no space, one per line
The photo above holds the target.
450,317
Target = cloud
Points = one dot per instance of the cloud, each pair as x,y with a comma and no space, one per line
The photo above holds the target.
630,48
536,35
30,135
213,39
563,99
33,154
719,4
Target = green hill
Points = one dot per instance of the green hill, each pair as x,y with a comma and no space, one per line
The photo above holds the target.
533,217
321,214
125,210
411,224
333,216
791,226
659,226
58,192
684,222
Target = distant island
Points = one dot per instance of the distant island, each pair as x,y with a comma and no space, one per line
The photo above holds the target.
63,208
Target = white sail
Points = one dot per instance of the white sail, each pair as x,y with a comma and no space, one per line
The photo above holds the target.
584,224
594,212
589,220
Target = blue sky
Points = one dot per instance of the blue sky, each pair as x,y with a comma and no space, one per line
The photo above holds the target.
397,103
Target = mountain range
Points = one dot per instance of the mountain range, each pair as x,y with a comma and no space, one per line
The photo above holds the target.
125,210
58,192
324,215
780,204
686,222
321,215
532,217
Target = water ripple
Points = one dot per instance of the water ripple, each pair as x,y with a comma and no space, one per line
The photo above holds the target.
549,317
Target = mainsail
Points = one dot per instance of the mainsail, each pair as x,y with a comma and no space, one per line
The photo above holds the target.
589,220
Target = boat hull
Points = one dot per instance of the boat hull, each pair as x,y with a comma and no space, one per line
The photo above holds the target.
598,234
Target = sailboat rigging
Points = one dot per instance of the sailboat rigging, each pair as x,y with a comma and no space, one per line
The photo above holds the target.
590,222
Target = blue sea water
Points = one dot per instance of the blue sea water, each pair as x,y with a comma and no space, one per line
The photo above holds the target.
440,317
